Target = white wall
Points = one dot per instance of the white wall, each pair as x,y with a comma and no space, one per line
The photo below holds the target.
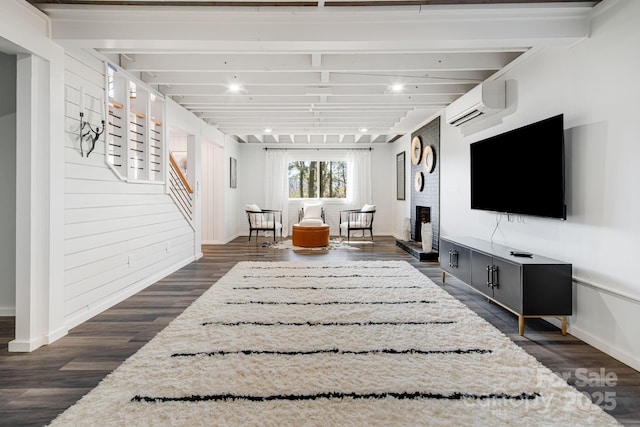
401,209
214,188
7,185
119,237
595,85
178,143
39,169
212,193
233,204
383,188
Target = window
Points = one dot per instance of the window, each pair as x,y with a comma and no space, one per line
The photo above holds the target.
317,179
135,137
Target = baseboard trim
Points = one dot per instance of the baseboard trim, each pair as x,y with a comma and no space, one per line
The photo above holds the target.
82,317
7,312
16,346
56,335
222,242
605,347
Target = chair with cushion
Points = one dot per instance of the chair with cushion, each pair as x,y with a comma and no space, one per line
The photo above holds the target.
311,230
357,220
263,220
311,214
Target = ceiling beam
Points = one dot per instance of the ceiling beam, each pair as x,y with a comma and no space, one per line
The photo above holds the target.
286,90
334,63
306,101
352,29
384,122
292,115
316,60
259,78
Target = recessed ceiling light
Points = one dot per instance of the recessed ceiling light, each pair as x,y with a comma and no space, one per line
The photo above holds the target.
234,87
268,130
397,87
363,130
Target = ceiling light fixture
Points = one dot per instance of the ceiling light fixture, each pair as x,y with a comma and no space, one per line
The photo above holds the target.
397,87
268,130
234,88
363,130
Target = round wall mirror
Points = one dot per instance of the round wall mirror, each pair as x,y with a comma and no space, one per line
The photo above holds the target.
418,181
416,150
428,159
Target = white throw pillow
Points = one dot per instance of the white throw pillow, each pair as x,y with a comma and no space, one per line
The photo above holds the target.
256,219
368,208
312,210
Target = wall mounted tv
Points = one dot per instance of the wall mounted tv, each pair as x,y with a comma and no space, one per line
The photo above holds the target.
521,171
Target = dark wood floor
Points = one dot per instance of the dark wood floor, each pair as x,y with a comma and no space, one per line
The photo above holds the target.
35,387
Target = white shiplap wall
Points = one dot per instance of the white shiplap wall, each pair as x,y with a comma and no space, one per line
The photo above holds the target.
208,194
119,237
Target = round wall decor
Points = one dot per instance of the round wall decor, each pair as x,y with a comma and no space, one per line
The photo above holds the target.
428,159
416,150
418,181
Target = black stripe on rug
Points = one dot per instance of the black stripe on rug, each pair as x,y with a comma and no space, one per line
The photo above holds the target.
323,267
329,302
333,351
318,288
243,323
321,276
338,395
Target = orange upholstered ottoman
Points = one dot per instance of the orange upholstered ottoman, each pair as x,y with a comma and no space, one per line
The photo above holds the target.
310,237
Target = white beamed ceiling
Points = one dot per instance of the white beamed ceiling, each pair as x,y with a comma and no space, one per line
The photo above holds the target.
316,75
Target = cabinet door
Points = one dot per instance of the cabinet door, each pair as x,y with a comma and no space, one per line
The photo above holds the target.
456,260
446,249
547,289
480,275
507,284
463,263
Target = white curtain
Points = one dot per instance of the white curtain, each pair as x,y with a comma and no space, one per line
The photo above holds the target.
358,178
276,185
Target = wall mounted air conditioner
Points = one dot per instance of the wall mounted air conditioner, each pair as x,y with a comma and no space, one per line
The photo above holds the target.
485,99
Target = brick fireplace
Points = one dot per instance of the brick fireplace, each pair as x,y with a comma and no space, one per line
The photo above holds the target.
425,202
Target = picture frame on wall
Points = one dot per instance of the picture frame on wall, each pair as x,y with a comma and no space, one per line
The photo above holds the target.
400,176
180,157
233,173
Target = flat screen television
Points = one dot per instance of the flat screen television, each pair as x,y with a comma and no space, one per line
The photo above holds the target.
521,171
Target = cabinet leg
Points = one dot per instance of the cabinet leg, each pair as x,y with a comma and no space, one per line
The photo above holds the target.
521,325
564,325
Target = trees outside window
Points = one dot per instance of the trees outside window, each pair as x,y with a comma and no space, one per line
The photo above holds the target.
317,179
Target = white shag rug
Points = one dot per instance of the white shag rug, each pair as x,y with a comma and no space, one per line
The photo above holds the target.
367,343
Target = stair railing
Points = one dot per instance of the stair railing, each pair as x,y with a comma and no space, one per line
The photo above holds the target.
180,190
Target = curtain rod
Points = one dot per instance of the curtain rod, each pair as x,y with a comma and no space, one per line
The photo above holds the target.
320,149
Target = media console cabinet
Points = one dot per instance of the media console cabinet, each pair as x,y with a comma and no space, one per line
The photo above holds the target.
528,286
